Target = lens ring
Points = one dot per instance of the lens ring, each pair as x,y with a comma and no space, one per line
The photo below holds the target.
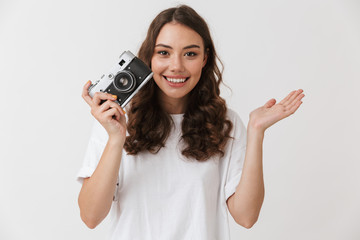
124,81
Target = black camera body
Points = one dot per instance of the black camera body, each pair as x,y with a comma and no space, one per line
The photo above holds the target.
124,80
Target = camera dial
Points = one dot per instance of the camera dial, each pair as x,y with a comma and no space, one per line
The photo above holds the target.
124,81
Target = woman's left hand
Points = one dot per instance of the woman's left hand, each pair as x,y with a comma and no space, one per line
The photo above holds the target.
265,116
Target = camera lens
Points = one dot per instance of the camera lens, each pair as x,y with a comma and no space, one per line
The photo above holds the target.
124,81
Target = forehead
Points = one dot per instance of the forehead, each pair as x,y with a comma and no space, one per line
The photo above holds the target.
178,35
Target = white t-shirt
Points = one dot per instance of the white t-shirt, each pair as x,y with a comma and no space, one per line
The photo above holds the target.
166,196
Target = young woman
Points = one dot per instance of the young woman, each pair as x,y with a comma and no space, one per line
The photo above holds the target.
180,160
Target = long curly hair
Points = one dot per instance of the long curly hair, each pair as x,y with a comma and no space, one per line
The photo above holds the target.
205,128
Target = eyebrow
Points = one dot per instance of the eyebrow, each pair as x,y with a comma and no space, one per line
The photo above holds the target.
167,46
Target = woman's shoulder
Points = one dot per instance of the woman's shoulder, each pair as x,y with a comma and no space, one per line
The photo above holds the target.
239,130
98,133
233,116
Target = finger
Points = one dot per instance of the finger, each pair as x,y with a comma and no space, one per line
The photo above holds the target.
112,113
99,96
85,93
122,111
295,101
292,97
117,106
109,104
270,103
104,106
287,97
295,107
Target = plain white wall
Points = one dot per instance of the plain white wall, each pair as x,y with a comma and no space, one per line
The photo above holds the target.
49,49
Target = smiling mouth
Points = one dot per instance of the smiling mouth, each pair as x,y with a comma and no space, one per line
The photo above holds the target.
176,80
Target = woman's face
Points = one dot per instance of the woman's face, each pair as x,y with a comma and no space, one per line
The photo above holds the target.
177,61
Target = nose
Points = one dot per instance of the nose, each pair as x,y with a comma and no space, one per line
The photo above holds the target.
176,64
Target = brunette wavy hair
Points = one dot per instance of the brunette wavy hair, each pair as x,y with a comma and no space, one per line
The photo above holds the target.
205,128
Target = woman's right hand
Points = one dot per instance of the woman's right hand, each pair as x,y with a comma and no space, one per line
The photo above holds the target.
110,115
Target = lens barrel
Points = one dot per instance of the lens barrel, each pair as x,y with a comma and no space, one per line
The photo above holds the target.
124,81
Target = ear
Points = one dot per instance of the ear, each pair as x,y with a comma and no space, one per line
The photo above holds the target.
205,57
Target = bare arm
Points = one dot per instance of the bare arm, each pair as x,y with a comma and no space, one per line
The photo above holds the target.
245,204
97,192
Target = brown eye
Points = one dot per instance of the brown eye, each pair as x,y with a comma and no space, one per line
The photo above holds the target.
163,52
190,54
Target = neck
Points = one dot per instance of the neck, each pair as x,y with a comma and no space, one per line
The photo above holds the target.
173,105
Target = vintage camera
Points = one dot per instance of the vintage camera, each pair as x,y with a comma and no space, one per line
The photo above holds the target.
124,80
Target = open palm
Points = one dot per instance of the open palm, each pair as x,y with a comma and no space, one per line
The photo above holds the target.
265,116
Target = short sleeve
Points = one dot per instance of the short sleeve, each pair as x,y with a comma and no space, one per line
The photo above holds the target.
95,148
236,154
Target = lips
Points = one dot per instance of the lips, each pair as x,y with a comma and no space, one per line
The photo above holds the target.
176,79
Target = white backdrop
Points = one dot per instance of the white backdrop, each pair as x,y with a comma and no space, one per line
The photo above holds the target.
49,49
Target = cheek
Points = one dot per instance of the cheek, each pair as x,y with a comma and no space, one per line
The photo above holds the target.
195,67
157,69
157,66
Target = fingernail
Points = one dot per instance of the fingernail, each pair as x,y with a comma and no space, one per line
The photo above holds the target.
123,111
88,82
114,96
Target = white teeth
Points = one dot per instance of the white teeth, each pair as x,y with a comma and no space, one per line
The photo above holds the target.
176,80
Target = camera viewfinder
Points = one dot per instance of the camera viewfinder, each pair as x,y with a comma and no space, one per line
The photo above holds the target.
121,62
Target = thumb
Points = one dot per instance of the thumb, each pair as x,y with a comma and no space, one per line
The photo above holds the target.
270,103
